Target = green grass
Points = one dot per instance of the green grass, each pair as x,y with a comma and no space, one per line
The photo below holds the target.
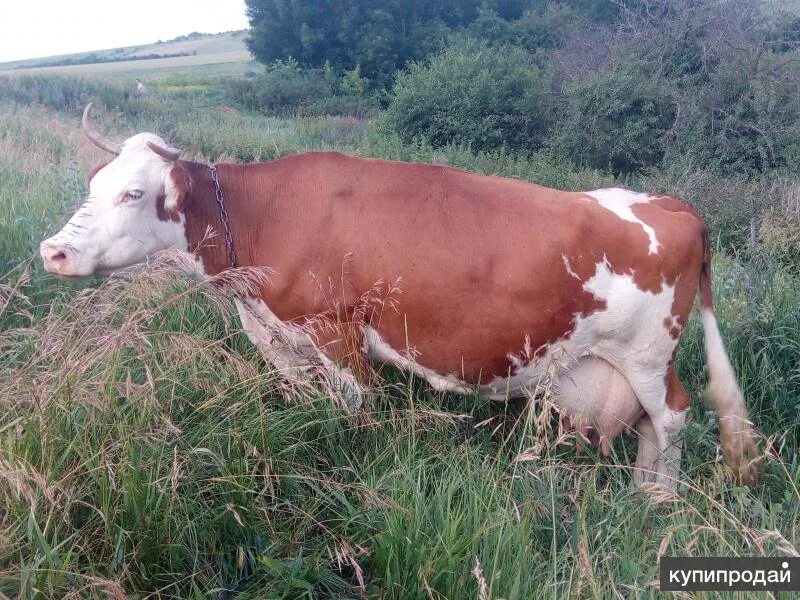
223,63
147,451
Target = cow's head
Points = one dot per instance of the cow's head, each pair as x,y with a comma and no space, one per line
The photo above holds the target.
134,208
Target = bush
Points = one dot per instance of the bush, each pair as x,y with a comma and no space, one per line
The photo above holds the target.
615,119
779,239
472,94
740,123
286,88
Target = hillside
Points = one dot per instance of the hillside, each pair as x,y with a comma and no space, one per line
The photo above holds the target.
184,51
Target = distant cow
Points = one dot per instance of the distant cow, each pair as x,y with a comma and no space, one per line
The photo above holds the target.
499,280
141,89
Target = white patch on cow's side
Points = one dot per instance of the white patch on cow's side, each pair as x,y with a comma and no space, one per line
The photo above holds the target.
118,224
568,267
619,201
380,351
623,335
674,323
630,336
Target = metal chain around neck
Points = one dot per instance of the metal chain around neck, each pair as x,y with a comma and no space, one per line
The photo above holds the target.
224,216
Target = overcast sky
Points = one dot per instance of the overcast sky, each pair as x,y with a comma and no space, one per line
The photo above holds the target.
34,28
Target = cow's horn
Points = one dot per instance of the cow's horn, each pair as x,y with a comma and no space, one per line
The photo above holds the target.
98,139
170,154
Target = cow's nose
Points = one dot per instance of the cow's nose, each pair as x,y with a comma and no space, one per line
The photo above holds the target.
54,256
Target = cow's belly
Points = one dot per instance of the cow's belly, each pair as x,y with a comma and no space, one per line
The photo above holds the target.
595,397
628,336
501,388
630,333
378,350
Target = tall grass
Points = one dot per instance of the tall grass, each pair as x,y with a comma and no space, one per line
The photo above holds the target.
147,451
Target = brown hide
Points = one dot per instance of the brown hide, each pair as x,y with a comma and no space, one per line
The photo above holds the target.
480,259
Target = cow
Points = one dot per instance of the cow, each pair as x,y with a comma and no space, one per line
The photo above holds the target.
499,284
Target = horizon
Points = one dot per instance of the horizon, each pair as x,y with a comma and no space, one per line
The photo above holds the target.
29,36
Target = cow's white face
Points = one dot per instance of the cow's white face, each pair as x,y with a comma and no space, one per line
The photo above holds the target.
132,211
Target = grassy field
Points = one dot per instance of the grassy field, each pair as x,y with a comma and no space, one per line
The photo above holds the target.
147,451
207,55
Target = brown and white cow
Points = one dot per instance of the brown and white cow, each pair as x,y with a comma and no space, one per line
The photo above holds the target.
499,279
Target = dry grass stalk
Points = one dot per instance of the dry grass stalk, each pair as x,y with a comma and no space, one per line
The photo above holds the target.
340,327
12,292
585,564
96,587
541,409
343,554
22,482
483,588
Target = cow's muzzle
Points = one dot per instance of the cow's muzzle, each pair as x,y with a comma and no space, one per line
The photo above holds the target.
57,258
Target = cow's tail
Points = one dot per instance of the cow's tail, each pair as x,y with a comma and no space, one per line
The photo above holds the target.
723,392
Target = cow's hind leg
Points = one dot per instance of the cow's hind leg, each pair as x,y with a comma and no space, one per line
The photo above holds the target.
645,468
661,430
674,419
658,457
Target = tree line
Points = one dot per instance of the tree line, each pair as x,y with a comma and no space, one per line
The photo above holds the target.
620,85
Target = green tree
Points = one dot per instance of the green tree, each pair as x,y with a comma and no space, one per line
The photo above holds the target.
616,119
472,93
379,36
704,82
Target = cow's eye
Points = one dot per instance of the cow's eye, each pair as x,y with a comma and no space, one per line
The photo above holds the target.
133,194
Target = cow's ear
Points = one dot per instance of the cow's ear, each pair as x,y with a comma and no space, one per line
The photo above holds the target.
177,188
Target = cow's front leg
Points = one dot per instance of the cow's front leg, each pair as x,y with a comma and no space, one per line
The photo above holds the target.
321,349
284,346
343,385
345,367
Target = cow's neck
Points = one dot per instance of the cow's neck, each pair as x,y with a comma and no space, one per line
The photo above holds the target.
203,212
